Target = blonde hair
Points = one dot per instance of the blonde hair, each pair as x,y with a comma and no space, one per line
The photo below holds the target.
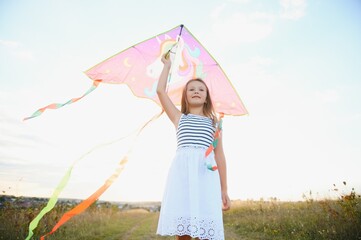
208,109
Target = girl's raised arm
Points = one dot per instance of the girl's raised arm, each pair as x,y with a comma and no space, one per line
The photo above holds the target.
171,110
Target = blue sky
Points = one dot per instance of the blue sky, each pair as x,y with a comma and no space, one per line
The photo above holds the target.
295,64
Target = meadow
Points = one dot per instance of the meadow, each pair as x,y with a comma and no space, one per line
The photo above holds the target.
309,219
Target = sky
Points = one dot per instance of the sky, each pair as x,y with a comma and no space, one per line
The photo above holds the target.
294,63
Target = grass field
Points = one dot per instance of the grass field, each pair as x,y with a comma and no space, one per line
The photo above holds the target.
309,219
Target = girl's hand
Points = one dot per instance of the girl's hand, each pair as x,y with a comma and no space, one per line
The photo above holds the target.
226,202
166,61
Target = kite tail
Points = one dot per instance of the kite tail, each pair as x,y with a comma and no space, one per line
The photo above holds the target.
51,203
215,142
59,105
64,181
81,207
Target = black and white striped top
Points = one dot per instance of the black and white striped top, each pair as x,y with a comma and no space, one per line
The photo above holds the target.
195,130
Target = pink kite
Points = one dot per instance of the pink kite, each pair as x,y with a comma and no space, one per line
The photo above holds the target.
140,65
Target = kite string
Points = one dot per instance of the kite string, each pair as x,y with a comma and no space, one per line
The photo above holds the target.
81,207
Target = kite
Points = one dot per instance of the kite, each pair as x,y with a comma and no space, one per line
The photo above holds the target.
139,67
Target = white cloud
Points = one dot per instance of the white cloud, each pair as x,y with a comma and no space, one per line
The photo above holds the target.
239,1
233,27
16,50
25,55
217,11
260,61
11,44
293,9
327,96
242,27
293,127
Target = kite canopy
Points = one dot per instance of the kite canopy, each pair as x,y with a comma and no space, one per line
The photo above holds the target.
140,66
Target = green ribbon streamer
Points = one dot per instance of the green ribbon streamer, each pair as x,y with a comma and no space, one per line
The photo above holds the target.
51,203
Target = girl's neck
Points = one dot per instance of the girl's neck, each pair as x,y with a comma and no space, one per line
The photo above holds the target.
196,111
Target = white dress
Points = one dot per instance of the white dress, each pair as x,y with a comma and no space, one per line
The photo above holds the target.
192,202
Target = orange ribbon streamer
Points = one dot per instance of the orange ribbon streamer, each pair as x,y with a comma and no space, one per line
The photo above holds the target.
215,142
87,202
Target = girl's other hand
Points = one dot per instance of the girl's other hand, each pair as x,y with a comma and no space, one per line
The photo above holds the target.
226,202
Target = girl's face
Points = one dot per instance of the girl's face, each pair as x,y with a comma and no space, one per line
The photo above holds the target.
196,93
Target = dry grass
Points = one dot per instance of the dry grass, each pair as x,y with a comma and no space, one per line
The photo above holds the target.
309,219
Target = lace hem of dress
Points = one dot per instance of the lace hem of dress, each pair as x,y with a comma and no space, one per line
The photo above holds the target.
196,228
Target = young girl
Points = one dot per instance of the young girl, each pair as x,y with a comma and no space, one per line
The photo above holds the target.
193,198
